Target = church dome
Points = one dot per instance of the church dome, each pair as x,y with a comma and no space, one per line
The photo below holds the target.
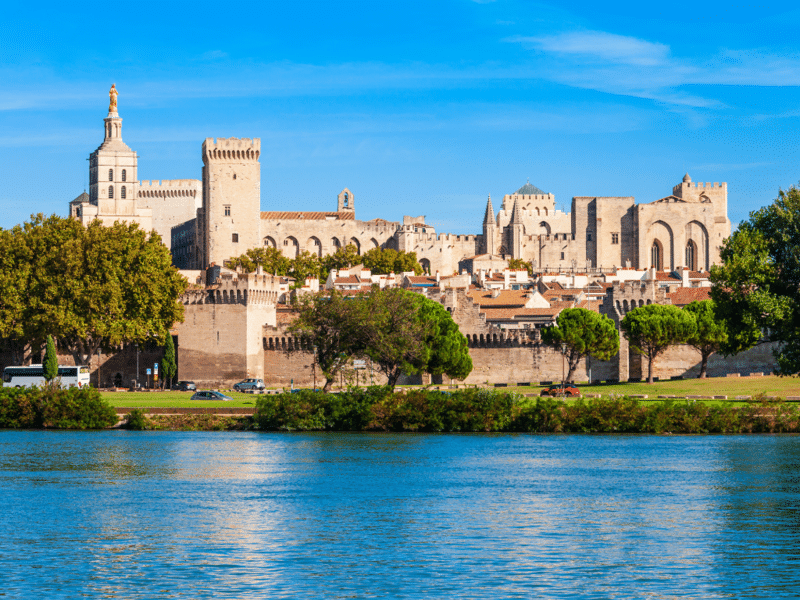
530,190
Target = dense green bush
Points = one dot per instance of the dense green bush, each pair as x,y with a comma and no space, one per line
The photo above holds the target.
74,408
376,409
136,420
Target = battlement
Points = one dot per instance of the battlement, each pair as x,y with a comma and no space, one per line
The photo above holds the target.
699,185
236,288
172,183
238,149
169,188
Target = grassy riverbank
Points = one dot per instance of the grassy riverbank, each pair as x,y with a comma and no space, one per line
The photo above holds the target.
731,387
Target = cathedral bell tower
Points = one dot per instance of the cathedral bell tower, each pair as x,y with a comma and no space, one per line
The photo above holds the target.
112,168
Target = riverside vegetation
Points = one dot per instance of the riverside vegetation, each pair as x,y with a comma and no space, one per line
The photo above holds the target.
74,408
376,409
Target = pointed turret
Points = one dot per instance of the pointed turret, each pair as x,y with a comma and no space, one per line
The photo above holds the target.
516,214
488,218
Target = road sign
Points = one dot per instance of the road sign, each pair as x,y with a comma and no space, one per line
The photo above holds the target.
359,364
148,371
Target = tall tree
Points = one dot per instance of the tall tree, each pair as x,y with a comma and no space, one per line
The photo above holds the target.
404,332
711,334
329,325
50,362
168,367
653,328
394,335
757,287
15,272
94,287
581,333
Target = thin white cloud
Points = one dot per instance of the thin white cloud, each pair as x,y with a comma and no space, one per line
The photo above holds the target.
607,47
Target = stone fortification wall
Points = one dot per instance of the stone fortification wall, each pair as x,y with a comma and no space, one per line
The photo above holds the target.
173,202
684,361
323,233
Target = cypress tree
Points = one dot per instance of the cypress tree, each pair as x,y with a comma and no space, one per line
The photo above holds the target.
169,368
50,363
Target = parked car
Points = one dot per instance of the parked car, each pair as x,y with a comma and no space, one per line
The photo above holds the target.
185,386
210,395
249,384
562,390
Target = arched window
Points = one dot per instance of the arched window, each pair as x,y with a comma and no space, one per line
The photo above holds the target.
124,175
691,256
111,191
656,255
336,243
122,193
111,174
269,242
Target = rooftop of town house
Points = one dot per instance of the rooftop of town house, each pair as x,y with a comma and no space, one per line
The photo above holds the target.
308,216
683,296
667,276
499,298
493,314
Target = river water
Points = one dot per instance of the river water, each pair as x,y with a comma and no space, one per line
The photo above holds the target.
117,514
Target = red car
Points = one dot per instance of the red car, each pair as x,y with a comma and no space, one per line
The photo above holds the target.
561,390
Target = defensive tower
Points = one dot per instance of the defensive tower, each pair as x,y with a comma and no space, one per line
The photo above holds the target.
231,197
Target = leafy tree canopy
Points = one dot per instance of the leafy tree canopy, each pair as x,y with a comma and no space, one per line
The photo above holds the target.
757,286
582,333
94,287
383,261
711,333
329,324
653,328
517,264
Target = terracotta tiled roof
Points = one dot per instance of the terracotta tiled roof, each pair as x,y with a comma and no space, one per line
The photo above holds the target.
594,306
495,314
683,295
698,275
347,280
506,298
561,305
666,276
307,216
422,279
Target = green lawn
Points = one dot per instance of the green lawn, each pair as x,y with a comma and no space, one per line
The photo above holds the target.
715,386
174,399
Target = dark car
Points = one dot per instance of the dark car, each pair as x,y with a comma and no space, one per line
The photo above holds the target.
185,386
210,395
561,390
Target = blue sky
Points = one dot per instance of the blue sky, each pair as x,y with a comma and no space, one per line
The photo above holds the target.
417,107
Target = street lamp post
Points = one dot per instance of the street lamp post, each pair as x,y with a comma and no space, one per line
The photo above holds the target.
563,360
314,368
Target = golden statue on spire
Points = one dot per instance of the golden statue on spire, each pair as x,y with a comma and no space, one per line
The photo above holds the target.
112,95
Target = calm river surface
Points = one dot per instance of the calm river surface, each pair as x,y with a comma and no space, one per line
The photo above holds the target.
263,515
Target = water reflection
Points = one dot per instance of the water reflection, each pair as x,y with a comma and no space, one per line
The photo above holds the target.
232,515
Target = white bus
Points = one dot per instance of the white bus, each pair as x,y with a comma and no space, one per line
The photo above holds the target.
33,375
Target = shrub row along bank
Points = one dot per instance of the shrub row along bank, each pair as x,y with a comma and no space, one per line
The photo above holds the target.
374,409
62,409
